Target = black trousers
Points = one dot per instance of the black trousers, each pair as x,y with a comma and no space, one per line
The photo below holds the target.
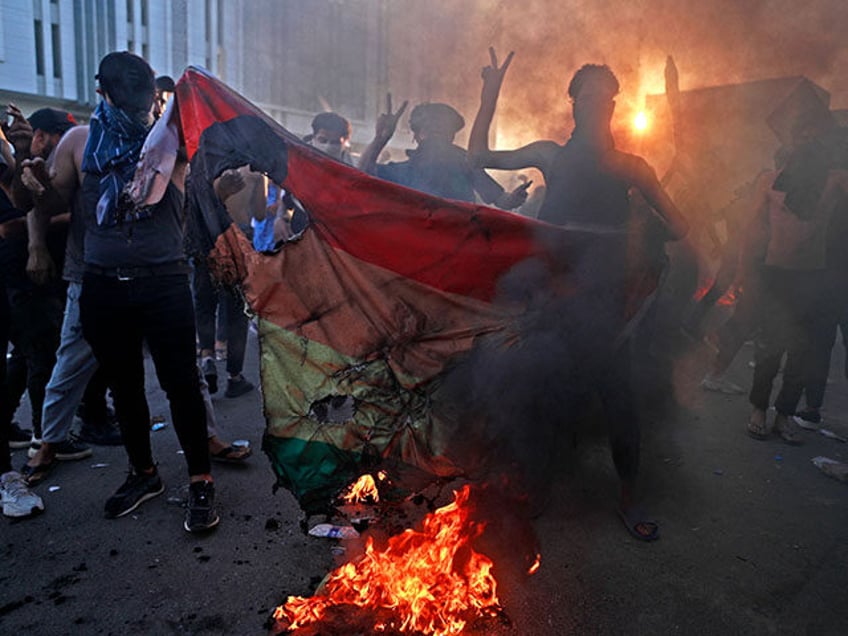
792,305
35,329
211,300
833,307
5,454
118,316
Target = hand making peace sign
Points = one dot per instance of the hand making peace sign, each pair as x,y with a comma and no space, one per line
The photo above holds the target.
387,122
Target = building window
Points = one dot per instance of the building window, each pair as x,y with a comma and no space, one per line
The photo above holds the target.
143,12
56,42
39,48
130,10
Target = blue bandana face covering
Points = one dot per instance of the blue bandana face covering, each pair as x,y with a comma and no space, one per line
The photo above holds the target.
111,153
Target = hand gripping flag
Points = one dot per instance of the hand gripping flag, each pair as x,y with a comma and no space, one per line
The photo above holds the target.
361,317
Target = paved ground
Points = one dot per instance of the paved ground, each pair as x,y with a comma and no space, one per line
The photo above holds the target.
754,537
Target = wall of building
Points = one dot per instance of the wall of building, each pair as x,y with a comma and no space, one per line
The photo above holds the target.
292,58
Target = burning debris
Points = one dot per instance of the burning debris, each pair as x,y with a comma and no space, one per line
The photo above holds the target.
429,580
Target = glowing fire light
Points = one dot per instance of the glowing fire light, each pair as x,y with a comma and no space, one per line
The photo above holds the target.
536,565
430,580
364,489
640,121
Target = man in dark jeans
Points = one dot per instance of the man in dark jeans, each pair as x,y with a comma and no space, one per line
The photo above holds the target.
243,193
136,290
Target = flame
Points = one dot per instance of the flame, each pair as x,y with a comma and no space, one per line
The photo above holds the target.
640,121
430,580
730,296
364,489
536,565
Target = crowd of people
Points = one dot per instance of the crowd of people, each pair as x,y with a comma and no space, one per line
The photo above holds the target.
127,279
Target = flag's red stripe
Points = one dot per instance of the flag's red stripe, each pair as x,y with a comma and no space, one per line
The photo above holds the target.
451,246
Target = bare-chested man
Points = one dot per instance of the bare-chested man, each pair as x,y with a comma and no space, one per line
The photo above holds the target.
588,185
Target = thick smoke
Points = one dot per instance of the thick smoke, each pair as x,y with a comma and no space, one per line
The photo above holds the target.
527,394
713,42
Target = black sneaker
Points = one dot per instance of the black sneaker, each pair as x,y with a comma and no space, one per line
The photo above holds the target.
71,449
137,489
210,374
104,434
19,437
237,386
200,511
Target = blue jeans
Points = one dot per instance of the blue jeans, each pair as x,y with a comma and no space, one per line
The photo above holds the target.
75,366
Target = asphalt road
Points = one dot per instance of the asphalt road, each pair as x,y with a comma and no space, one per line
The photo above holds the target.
754,537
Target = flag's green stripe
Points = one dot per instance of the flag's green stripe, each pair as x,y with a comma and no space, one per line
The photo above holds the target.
315,455
314,472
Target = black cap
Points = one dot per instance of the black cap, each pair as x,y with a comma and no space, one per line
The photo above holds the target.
165,83
437,117
52,120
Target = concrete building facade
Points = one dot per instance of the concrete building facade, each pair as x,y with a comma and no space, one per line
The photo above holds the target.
293,58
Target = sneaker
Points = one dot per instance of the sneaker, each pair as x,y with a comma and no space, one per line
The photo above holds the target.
210,374
105,434
137,489
19,437
237,386
18,499
34,447
71,449
809,419
200,511
721,384
807,425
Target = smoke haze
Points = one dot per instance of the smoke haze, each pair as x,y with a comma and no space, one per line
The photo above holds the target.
713,42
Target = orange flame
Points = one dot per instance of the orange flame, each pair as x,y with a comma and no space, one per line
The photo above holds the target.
431,579
536,565
364,489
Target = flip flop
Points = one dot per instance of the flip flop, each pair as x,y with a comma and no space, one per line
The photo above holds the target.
634,518
35,474
758,431
232,454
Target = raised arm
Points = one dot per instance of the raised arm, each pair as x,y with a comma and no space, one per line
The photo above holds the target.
52,187
8,157
19,133
493,76
386,126
535,155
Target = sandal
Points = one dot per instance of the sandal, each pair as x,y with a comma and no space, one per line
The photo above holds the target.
232,454
36,474
638,526
758,427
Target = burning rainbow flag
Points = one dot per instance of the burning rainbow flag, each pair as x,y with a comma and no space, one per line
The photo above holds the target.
360,316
